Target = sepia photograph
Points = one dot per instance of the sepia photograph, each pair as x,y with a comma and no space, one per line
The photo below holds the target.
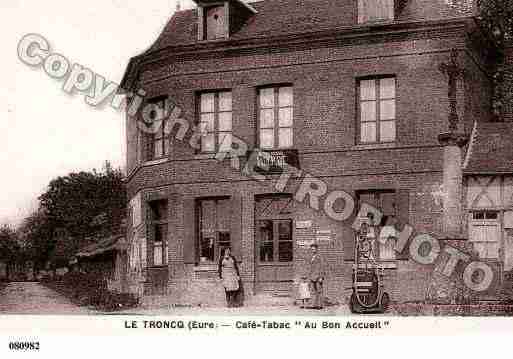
349,161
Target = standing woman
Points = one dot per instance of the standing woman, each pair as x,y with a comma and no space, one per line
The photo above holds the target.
229,274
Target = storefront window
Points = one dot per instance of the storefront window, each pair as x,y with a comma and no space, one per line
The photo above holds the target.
276,243
384,233
266,244
214,228
159,224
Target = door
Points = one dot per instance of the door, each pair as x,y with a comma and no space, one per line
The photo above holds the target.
274,242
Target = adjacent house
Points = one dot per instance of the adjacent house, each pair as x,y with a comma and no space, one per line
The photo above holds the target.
387,100
106,259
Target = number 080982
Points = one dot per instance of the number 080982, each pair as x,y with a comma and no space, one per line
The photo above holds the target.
24,346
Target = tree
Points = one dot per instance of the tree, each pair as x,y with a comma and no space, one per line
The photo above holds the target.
10,248
37,234
75,210
496,17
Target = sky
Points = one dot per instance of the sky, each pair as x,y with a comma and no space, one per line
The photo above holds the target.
44,132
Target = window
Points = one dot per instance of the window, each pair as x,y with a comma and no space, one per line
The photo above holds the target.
275,113
274,234
159,224
215,22
157,141
216,121
485,233
214,227
376,110
385,201
276,243
375,10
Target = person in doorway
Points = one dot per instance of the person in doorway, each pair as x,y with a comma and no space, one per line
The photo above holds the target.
229,274
316,277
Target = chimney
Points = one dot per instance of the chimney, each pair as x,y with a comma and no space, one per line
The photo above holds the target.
178,5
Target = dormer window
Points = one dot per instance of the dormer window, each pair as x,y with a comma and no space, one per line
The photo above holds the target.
375,10
218,19
215,20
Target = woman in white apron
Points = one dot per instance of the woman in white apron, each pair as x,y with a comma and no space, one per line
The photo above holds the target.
229,274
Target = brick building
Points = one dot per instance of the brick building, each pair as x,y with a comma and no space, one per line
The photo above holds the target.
349,92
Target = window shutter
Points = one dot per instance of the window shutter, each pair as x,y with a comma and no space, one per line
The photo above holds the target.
236,226
189,230
403,215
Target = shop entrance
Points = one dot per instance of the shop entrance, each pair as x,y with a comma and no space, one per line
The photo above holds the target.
274,244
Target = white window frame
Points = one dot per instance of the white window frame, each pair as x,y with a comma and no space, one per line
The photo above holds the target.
281,123
486,249
372,103
216,120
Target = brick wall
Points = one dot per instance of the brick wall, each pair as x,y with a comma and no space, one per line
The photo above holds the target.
324,78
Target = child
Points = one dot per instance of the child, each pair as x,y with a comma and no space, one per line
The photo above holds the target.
304,291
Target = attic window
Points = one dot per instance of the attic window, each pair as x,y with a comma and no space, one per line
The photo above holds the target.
215,22
375,10
218,19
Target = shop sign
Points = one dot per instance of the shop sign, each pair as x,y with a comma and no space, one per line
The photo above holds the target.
273,161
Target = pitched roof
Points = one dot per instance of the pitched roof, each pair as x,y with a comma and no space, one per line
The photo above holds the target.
278,17
491,149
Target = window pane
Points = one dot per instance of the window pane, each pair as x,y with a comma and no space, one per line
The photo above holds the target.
267,98
165,146
387,88
207,102
387,130
267,118
207,122
266,252
157,253
225,141
265,233
285,97
225,121
207,248
478,215
285,251
284,231
157,149
267,138
208,143
387,110
208,217
225,101
285,137
368,90
491,215
224,211
368,111
285,117
368,132
224,241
